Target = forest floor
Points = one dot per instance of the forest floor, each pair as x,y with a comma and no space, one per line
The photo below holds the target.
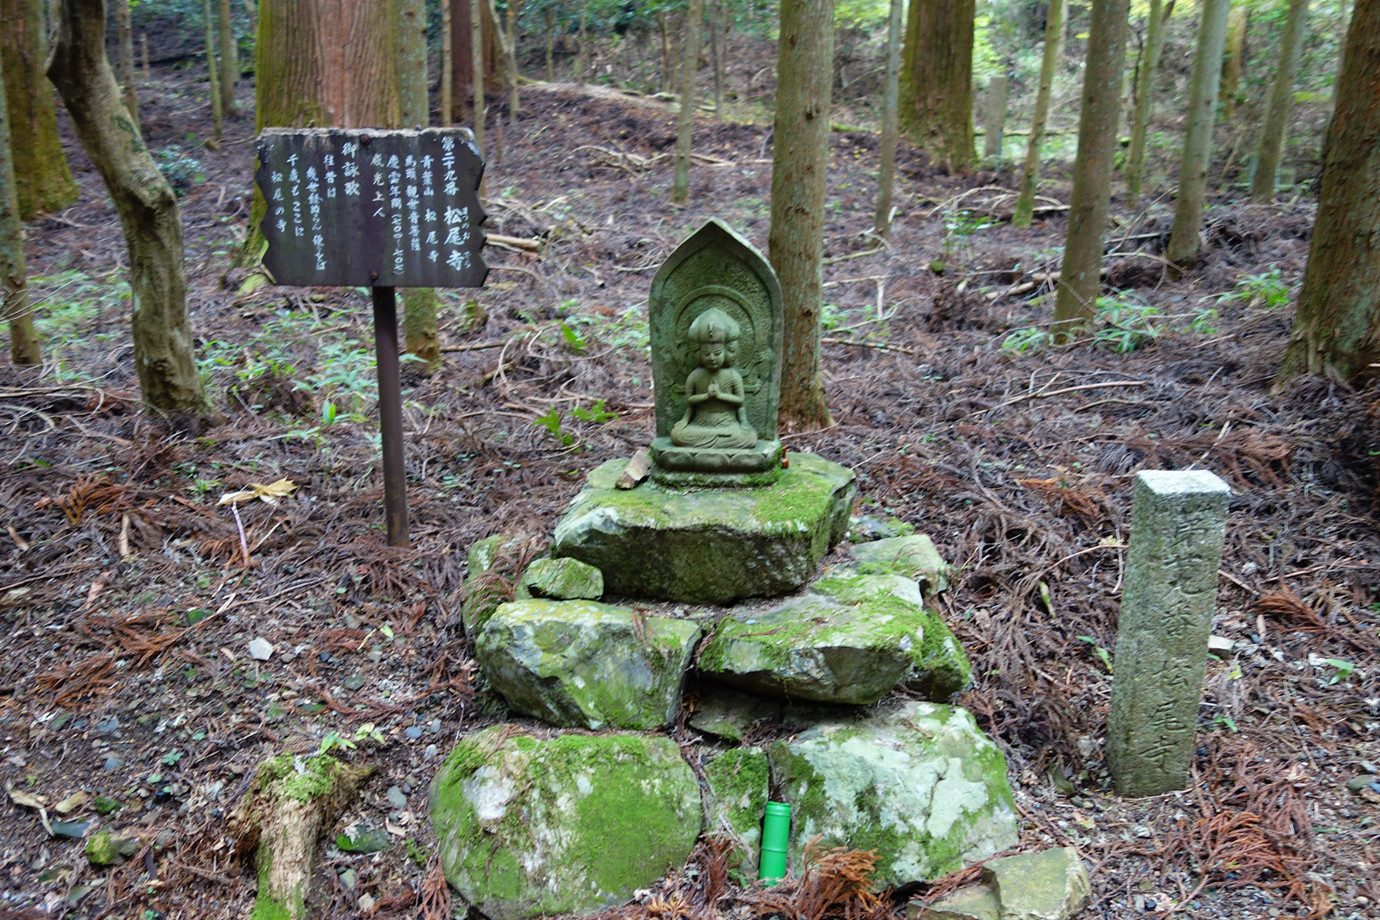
128,607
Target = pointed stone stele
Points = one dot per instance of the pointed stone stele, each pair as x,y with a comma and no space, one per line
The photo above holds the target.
710,444
918,783
848,639
582,664
708,547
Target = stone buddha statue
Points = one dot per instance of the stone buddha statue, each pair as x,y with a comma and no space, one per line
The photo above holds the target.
715,414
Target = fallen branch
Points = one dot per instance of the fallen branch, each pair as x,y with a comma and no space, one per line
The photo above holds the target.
1080,387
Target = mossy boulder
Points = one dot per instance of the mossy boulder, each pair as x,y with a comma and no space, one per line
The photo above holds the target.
585,664
912,556
735,799
561,579
918,783
566,825
848,639
713,546
728,714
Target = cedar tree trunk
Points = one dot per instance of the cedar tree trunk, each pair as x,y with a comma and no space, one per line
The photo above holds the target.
162,335
937,81
690,65
1184,236
1276,126
1145,82
1337,328
1092,168
229,59
796,241
886,168
1049,62
421,330
13,281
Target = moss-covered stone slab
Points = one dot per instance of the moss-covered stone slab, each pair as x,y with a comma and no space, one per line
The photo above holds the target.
848,639
912,555
735,799
582,664
568,825
1048,885
919,783
976,902
561,579
729,714
714,546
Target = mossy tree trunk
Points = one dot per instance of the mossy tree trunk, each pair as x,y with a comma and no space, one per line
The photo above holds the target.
937,81
14,286
124,29
1337,327
689,69
1276,127
1081,272
229,58
1234,57
45,182
1185,237
796,240
1049,62
1145,83
152,227
421,330
886,168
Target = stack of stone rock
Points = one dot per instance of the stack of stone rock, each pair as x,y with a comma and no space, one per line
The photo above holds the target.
697,599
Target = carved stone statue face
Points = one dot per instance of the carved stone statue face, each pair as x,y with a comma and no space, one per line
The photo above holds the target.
713,355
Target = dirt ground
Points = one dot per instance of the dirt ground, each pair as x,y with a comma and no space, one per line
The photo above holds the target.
128,607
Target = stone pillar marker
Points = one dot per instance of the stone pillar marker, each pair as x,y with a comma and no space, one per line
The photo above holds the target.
1178,522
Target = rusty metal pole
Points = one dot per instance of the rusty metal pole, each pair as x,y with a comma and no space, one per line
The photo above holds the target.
390,413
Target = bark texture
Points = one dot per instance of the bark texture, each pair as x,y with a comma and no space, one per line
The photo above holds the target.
229,61
1276,126
45,183
690,67
421,329
1049,62
152,227
799,160
937,81
1092,168
1185,238
14,288
1337,327
886,168
1145,81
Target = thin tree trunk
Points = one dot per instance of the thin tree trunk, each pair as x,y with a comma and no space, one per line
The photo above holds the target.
799,161
514,102
1233,54
550,15
447,64
1272,133
421,330
14,286
462,61
148,213
1337,327
690,65
663,22
477,61
1092,168
1145,83
1049,63
886,168
995,117
1184,236
582,59
45,183
126,35
213,73
716,45
229,59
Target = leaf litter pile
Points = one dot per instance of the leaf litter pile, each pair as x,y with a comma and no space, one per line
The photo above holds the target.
176,609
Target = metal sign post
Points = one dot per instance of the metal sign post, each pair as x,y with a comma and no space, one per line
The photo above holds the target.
376,209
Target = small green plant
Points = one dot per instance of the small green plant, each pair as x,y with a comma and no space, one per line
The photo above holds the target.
554,422
1019,341
1224,721
181,169
1102,654
1265,289
1127,324
1204,321
596,413
1344,670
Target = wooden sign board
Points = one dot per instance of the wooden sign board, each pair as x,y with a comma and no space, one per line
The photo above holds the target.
365,207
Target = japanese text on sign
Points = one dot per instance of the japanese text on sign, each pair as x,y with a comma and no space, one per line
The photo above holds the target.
375,208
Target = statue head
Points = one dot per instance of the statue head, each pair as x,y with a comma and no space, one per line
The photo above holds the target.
714,328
